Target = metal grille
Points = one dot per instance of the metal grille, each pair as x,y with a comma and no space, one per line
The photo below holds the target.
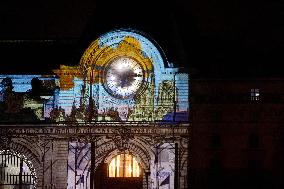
14,172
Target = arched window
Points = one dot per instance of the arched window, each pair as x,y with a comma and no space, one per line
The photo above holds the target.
123,165
16,170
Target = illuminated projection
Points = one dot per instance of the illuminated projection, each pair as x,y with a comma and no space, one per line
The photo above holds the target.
163,166
28,98
79,160
125,110
123,76
16,169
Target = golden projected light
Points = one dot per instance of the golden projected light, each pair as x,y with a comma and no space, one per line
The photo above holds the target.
96,57
67,74
123,165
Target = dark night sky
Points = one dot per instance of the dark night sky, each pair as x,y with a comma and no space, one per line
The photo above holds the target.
218,38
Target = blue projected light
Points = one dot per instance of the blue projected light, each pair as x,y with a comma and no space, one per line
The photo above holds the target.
149,49
154,89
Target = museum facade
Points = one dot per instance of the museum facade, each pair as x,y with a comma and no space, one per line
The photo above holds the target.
118,119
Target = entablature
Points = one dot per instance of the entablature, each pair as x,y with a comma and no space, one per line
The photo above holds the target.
63,130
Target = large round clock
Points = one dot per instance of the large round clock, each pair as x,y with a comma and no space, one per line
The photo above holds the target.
124,77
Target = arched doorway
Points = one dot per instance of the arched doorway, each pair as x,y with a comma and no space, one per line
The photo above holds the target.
16,171
122,172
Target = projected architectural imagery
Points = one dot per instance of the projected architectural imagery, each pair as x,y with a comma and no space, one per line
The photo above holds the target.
121,77
17,168
148,94
128,107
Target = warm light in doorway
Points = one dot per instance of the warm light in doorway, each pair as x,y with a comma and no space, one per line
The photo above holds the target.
123,165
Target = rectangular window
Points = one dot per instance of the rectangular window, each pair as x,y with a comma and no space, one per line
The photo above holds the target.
254,94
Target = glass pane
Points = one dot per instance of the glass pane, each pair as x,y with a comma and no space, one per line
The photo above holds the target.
124,165
128,165
136,170
119,166
111,168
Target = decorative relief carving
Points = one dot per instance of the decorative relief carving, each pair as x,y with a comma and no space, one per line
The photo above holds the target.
122,138
99,130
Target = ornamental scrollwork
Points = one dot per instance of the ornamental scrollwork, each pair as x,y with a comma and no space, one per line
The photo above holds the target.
122,137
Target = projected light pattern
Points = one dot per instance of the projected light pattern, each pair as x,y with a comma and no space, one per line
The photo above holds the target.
27,98
22,83
149,48
13,165
122,76
163,91
79,161
163,166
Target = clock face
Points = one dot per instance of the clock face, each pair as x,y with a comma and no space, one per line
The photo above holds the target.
124,76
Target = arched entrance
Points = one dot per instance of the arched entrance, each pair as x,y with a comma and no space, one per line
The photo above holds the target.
16,171
122,172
